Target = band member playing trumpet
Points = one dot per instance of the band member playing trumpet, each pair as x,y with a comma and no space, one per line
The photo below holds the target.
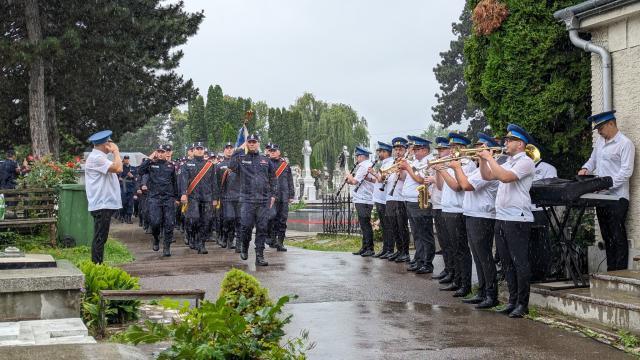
452,200
446,276
363,199
613,155
380,198
480,212
513,215
396,211
421,220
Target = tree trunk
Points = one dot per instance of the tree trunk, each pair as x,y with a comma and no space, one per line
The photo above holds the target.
54,138
37,114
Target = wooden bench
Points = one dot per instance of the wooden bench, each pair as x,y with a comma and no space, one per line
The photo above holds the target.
105,295
30,208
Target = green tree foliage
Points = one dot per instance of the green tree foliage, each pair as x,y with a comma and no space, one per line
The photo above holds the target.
453,105
146,138
107,64
214,116
179,132
528,72
197,122
286,130
434,131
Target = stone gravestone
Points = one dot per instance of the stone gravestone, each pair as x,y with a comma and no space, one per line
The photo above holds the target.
309,187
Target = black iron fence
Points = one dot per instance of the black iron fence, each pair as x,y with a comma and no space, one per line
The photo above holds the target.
339,215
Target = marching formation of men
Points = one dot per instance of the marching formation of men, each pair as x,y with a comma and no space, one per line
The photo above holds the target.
477,194
205,194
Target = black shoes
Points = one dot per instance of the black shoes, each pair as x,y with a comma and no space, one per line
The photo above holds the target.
393,256
447,279
382,252
156,243
368,253
488,303
244,251
238,246
508,309
402,258
166,251
424,270
386,255
474,300
440,276
519,312
260,259
280,244
451,287
359,252
413,267
202,250
462,292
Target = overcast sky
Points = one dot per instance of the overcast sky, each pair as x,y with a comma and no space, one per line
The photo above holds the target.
375,55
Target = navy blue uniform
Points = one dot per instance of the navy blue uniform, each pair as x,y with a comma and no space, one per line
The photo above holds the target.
228,192
199,203
257,187
285,192
162,186
127,189
8,174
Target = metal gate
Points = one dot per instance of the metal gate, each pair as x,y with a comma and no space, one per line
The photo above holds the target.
339,215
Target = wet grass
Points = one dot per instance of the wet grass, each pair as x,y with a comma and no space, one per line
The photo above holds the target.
337,243
115,253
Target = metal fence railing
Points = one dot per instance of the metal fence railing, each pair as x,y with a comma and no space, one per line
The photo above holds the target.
339,215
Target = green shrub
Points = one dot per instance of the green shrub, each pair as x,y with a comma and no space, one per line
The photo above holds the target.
103,277
237,284
219,330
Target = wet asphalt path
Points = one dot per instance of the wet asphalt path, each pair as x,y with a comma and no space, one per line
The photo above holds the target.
363,308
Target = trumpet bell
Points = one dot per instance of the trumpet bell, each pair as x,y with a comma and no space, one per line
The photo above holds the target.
533,152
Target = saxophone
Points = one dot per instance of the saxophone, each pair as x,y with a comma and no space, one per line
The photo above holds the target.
423,197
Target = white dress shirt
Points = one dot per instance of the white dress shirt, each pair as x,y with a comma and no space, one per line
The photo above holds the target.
513,202
410,188
452,200
380,196
543,171
613,158
102,187
481,202
365,191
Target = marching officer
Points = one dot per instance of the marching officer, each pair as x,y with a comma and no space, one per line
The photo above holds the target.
257,195
284,196
128,188
228,193
163,191
198,187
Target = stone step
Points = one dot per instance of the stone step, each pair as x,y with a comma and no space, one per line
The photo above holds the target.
45,332
623,281
614,309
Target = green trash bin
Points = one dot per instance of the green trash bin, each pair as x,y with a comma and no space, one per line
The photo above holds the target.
74,219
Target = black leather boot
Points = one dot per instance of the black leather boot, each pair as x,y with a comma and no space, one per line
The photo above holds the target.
260,258
156,243
166,251
201,248
238,246
244,251
280,243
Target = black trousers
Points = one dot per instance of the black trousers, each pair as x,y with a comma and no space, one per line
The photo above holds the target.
512,241
230,219
480,235
444,241
278,223
387,245
421,221
364,217
199,215
611,219
457,231
254,214
396,213
101,223
162,216
539,247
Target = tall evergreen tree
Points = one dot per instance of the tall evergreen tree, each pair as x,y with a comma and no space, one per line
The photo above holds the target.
97,73
453,106
197,122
